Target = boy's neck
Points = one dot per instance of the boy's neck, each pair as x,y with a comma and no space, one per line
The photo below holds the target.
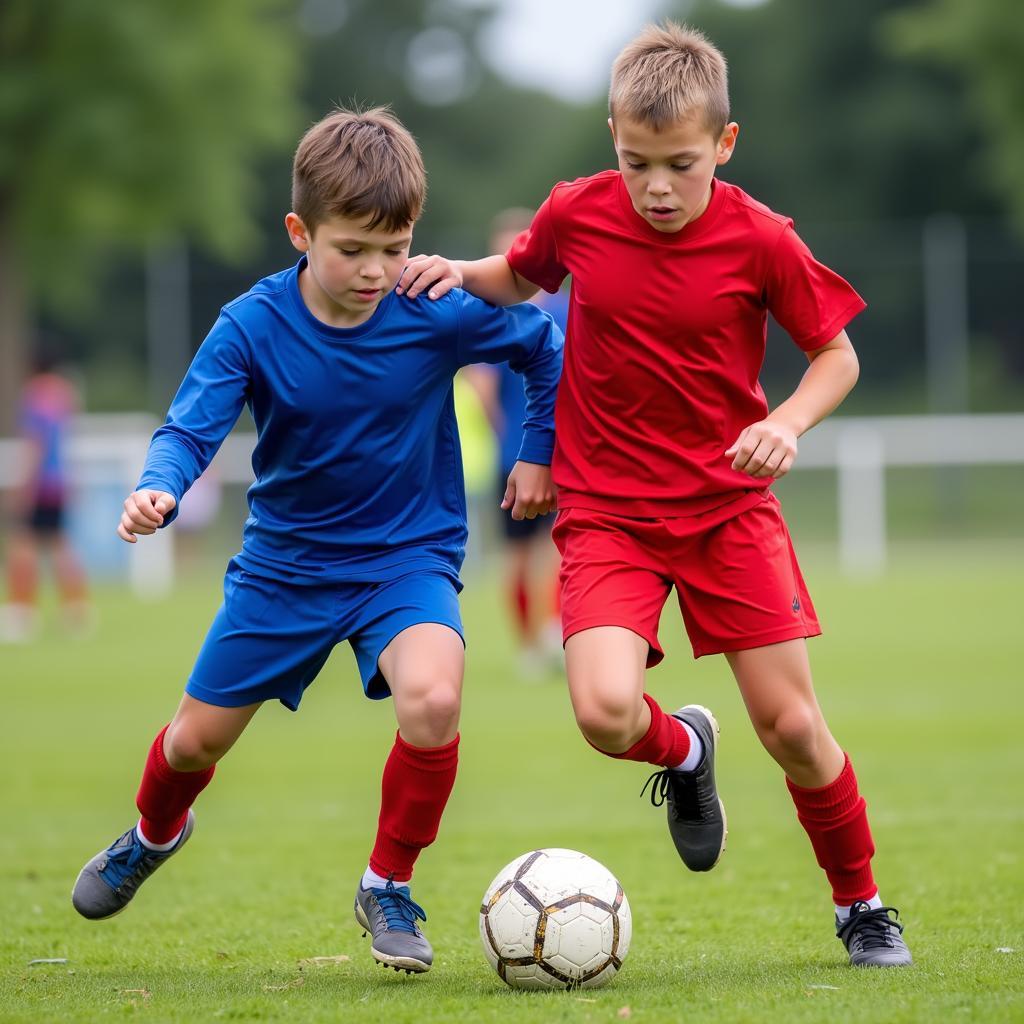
327,312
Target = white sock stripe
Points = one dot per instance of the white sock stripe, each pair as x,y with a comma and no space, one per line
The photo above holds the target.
155,847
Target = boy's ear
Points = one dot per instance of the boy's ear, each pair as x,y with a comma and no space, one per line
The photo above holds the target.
727,143
299,236
611,128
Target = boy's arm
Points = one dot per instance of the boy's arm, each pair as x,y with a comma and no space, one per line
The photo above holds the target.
768,448
530,341
491,279
203,412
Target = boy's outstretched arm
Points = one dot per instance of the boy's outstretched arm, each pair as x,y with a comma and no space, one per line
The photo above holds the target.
491,279
768,448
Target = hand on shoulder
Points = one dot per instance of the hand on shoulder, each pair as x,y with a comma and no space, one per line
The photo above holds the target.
434,272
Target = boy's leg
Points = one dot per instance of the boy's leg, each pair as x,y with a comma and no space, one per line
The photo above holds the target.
179,766
606,667
423,666
775,682
614,586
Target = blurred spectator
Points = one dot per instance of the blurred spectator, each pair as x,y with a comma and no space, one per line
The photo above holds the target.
530,557
49,401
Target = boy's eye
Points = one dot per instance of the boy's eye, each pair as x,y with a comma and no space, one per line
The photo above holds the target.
394,252
681,167
635,167
349,252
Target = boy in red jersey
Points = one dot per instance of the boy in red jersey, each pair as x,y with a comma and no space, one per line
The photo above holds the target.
665,451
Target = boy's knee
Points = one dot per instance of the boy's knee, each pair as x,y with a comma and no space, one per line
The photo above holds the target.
188,750
429,713
793,735
442,703
608,721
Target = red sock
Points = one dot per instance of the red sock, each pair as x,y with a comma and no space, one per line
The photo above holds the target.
835,818
165,795
666,743
414,791
519,598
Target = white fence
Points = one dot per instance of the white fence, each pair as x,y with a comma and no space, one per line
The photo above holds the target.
111,450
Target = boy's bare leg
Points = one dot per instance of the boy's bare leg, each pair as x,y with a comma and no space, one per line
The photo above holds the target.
179,767
776,685
200,734
606,667
423,666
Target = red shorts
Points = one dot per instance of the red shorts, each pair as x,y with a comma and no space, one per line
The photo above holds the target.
733,567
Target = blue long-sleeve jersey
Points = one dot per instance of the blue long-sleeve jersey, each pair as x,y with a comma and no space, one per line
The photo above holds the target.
357,461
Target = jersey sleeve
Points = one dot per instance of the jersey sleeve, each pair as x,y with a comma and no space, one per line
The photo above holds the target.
531,343
534,253
811,302
202,413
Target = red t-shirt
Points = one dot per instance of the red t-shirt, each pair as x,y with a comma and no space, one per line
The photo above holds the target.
665,339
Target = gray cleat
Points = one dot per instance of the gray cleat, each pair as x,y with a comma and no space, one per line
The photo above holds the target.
873,938
106,885
390,916
696,816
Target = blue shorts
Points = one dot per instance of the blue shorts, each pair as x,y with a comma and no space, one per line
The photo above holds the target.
270,639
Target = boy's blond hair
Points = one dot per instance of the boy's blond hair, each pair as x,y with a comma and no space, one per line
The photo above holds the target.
668,73
359,164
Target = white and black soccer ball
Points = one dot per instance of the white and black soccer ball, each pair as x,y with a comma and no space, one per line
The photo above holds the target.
555,919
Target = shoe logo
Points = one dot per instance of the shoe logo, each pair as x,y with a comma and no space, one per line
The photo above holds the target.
796,603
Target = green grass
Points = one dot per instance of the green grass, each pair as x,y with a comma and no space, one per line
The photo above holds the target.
920,677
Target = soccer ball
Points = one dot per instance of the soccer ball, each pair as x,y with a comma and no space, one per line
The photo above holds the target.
555,919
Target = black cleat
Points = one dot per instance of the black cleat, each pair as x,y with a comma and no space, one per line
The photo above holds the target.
696,817
873,938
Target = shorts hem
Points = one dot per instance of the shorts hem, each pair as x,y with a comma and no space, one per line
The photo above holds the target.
802,632
654,656
375,687
228,700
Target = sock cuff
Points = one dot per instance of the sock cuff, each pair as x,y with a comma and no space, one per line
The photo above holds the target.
428,758
630,754
159,763
837,798
164,771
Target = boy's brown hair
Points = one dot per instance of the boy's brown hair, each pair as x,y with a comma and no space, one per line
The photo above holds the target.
359,164
668,73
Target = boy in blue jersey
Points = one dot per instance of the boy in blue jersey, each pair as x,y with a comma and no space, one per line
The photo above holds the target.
357,516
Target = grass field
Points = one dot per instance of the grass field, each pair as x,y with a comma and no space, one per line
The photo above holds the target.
920,675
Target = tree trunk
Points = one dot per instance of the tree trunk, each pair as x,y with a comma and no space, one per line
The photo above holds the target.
15,326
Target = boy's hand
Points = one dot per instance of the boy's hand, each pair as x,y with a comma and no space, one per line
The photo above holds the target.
433,272
766,448
529,492
143,513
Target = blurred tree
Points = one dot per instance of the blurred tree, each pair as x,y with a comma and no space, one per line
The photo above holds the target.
983,42
122,122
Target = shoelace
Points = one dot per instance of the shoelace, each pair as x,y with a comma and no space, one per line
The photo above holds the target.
399,910
124,861
872,927
686,795
659,791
